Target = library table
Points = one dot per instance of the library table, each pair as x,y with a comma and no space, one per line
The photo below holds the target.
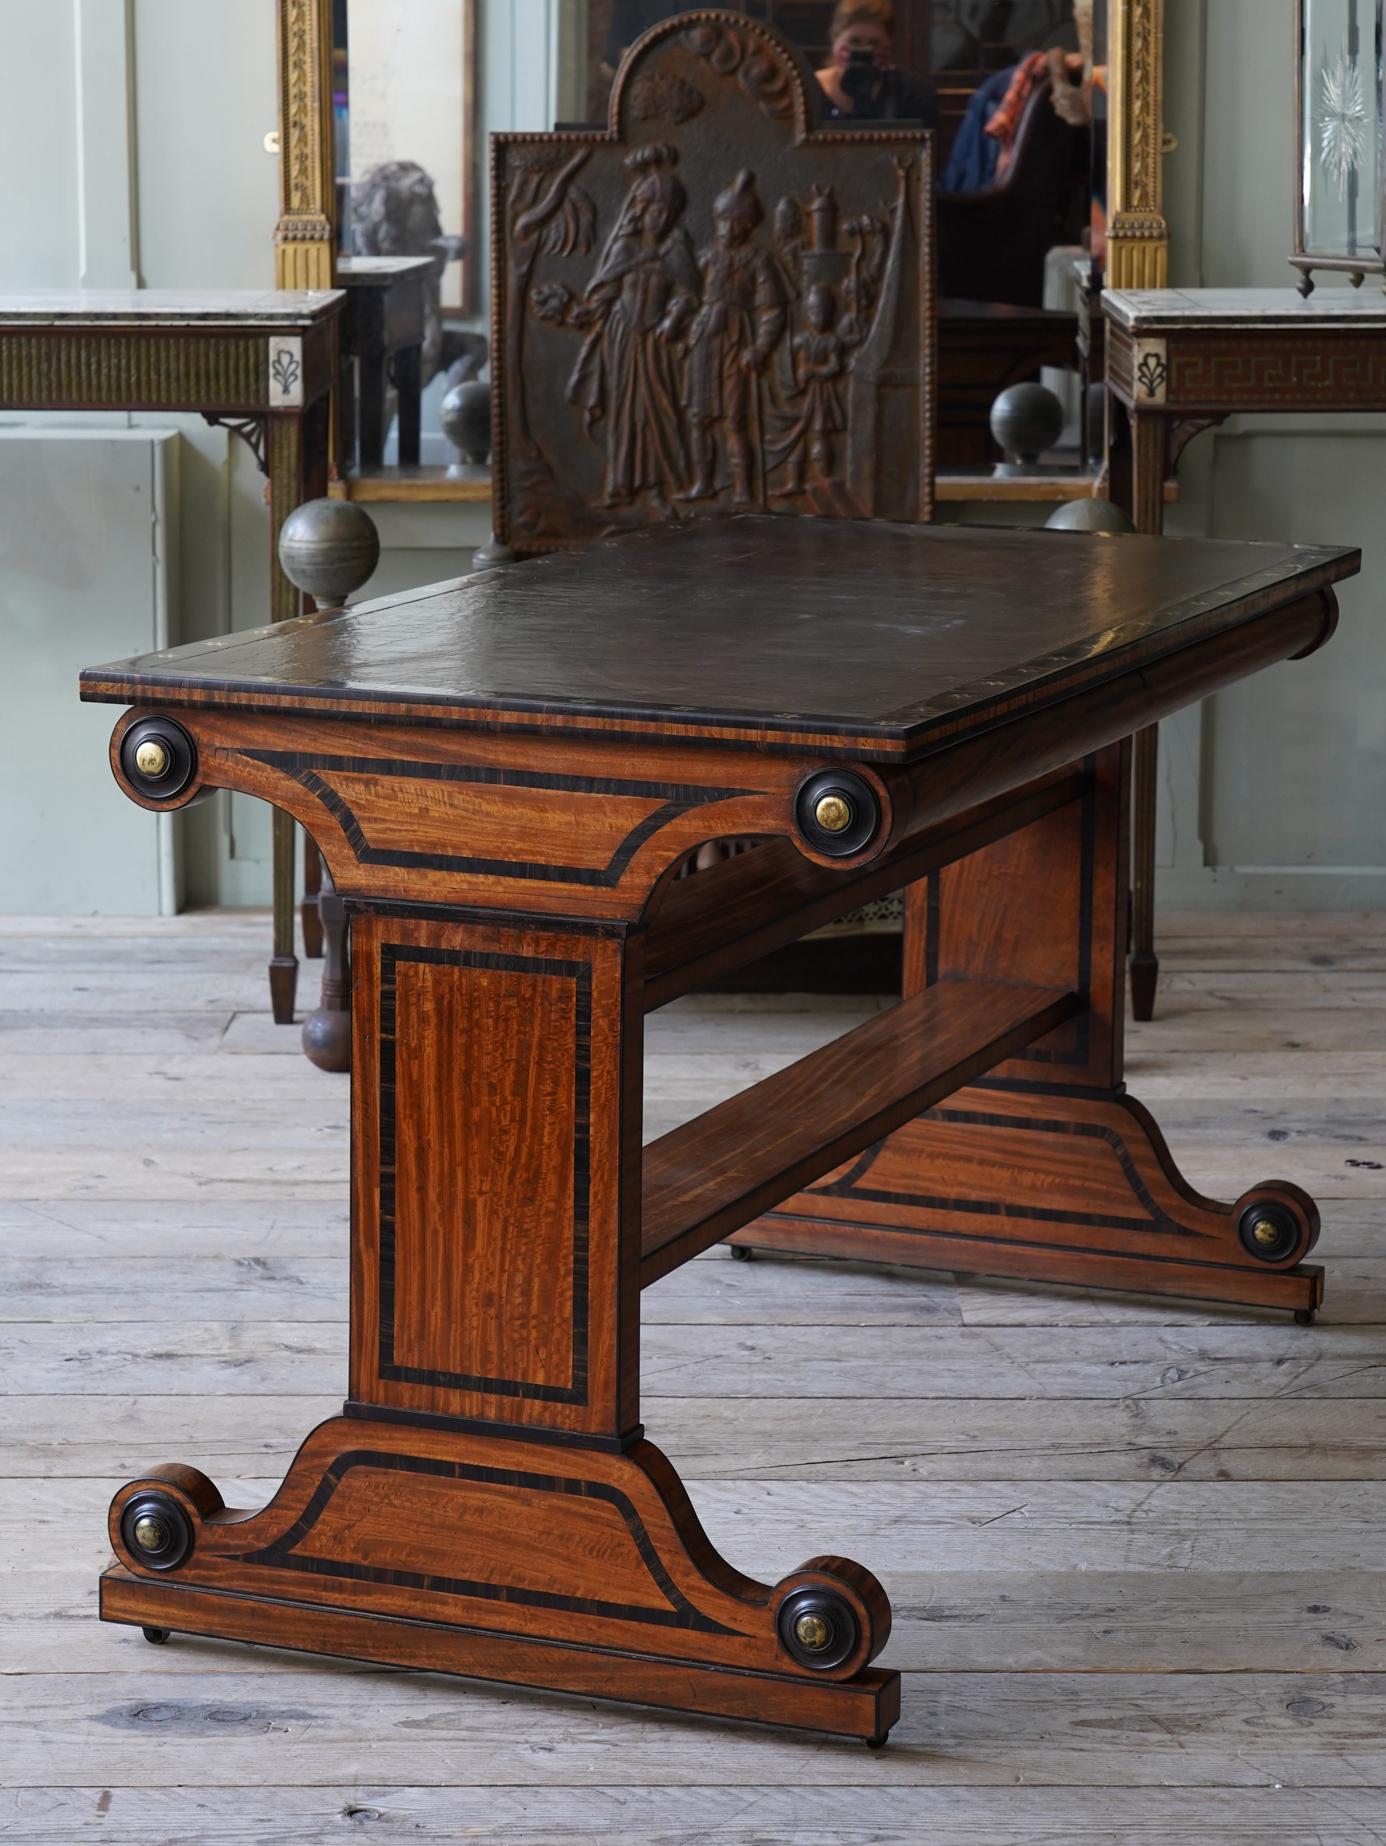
1181,361
505,779
261,362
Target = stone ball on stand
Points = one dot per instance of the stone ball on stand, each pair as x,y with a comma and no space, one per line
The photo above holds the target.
1090,515
1026,420
328,549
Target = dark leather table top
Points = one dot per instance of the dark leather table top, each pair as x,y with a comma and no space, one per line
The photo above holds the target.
885,634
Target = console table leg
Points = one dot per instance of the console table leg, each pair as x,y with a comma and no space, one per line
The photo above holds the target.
1144,965
1140,464
408,379
283,968
327,1032
309,919
488,1504
296,456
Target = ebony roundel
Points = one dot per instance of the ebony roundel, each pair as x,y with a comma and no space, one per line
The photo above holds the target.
1268,1231
817,1628
837,812
156,1530
158,757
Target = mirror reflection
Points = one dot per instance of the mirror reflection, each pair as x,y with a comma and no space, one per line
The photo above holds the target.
1015,91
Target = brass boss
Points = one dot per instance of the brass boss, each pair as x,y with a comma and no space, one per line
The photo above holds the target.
158,758
833,813
1265,1232
152,758
812,1632
151,1534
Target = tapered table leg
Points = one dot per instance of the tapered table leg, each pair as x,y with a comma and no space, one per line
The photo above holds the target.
296,458
283,968
1144,965
327,1032
310,918
408,377
1139,465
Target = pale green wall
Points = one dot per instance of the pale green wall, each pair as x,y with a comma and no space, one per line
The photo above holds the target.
1280,783
138,128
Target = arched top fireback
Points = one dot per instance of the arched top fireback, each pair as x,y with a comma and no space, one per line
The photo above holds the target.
713,303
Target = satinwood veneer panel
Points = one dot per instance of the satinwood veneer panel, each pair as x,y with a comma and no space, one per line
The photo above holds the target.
491,1200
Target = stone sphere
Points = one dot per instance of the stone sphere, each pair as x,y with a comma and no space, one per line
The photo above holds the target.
1026,420
1090,515
329,549
465,414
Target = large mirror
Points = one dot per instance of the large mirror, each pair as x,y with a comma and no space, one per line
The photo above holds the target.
1047,117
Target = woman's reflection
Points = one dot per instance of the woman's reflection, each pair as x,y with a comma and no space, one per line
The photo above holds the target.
862,83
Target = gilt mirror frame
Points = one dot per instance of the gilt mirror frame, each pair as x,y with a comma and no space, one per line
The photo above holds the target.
305,238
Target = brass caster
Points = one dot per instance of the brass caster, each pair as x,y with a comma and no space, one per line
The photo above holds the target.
155,1636
1304,1317
741,1254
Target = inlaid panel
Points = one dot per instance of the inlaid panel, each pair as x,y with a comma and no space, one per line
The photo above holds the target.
484,1236
1344,371
490,1122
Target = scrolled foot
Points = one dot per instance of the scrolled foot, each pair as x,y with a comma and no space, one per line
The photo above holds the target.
1277,1223
155,1522
1078,1189
831,1616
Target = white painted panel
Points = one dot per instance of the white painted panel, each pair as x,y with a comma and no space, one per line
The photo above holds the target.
38,145
1299,753
84,578
105,149
205,98
1277,783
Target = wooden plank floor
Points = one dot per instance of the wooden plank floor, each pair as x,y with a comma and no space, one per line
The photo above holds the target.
1137,1552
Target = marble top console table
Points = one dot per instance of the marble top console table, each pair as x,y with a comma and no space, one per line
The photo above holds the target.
1180,361
262,362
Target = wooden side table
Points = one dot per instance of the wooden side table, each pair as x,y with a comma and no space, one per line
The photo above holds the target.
1180,361
383,331
504,779
1092,347
261,362
983,346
